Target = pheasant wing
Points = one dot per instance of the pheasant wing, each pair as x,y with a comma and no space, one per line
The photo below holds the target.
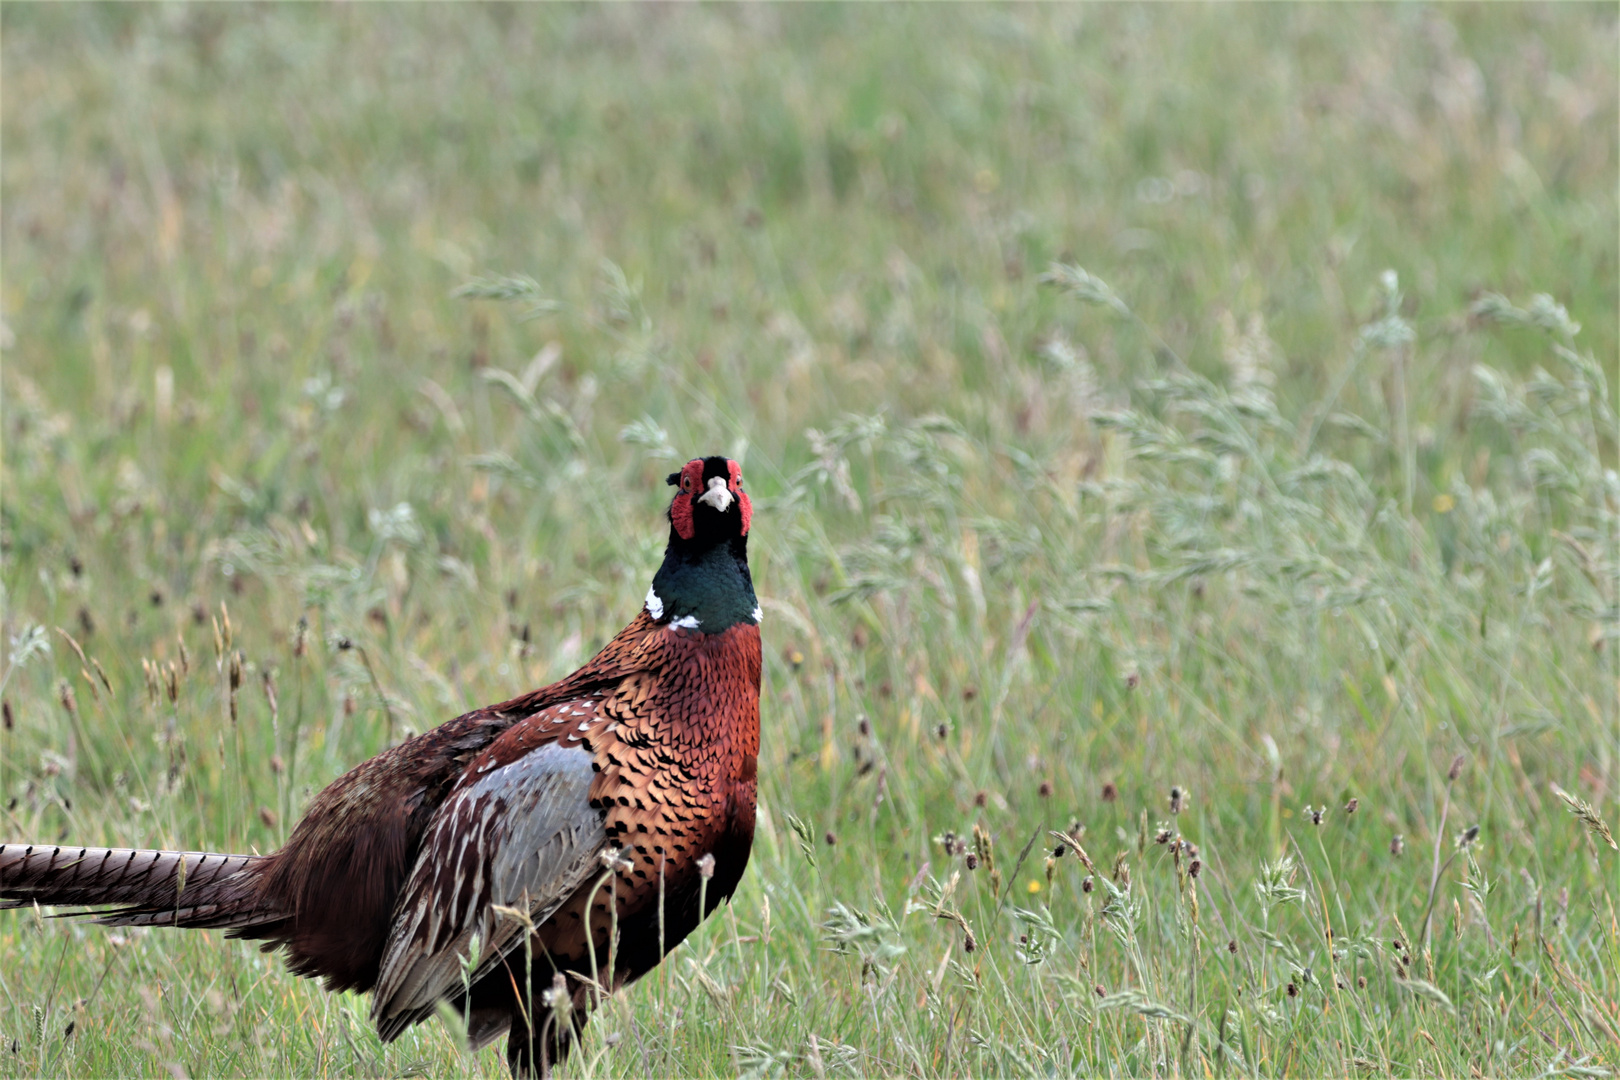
520,835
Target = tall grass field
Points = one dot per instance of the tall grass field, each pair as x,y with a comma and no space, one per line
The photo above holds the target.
1183,449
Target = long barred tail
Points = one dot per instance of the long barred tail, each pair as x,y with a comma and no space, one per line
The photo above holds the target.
145,888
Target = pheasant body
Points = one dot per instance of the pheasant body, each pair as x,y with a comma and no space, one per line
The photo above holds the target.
583,810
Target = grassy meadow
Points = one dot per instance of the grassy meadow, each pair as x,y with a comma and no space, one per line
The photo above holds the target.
1188,430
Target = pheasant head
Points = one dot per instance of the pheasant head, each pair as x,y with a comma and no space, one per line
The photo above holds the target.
704,583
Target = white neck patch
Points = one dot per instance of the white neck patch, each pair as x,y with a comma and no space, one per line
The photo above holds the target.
759,615
685,622
655,606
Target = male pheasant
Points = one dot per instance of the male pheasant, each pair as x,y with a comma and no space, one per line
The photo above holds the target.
628,784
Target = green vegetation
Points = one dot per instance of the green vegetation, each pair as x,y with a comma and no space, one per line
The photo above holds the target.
1306,495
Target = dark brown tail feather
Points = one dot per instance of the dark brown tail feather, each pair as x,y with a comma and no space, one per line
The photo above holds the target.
147,888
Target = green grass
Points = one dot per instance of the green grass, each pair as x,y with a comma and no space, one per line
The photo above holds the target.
1240,514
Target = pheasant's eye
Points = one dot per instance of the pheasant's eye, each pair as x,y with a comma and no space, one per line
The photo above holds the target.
686,483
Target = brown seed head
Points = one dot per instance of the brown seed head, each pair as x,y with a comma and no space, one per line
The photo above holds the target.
981,798
1193,868
1231,947
1046,789
1397,845
1350,807
1086,884
1456,766
972,861
1109,792
831,838
1293,991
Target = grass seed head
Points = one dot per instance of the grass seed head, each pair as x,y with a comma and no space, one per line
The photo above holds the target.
1177,797
1456,769
1109,792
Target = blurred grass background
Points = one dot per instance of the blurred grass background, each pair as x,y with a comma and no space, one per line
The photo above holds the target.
1231,510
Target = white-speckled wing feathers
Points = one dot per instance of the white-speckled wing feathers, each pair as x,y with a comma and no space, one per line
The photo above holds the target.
520,835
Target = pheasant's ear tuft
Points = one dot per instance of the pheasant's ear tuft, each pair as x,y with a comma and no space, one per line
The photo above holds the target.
672,479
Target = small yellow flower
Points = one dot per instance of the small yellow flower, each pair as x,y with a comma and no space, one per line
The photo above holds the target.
1444,504
1034,887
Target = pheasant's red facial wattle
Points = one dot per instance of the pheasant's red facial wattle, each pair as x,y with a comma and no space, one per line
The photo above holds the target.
743,503
680,511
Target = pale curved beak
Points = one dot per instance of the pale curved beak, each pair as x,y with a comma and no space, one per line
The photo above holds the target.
718,495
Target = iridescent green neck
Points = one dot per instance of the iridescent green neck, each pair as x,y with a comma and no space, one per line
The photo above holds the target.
707,589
